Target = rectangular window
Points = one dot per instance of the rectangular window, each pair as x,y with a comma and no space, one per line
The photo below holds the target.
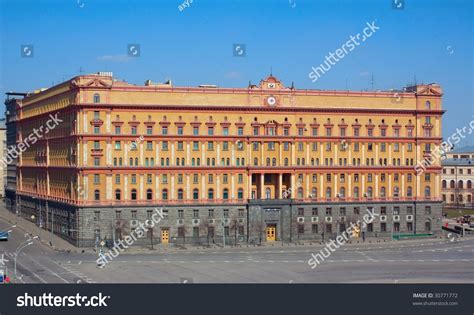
314,229
181,214
180,131
210,131
96,179
195,145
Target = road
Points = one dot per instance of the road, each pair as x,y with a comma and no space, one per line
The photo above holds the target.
421,261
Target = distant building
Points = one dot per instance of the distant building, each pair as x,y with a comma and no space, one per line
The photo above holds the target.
3,150
12,103
457,179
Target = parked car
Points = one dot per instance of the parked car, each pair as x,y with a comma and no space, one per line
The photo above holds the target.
4,236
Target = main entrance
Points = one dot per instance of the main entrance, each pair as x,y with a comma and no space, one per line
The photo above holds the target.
271,233
165,236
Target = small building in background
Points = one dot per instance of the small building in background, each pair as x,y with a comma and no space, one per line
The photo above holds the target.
458,177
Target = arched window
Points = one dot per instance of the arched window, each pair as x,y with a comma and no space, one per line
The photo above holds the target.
152,161
396,192
451,184
208,162
469,184
328,193
460,184
213,162
149,194
274,162
255,161
193,162
225,194
195,194
286,161
136,161
356,192
268,161
210,194
369,192
198,161
427,192
382,192
268,193
300,192
443,183
180,194
342,192
131,161
314,193
134,194
147,162
428,105
240,194
237,162
96,98
96,195
409,192
164,194
118,194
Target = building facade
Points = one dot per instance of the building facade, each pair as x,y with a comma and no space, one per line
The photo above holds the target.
3,150
9,161
457,178
260,163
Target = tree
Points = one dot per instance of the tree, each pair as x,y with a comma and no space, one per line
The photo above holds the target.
234,225
204,228
259,228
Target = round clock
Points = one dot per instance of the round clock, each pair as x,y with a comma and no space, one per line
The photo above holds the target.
271,101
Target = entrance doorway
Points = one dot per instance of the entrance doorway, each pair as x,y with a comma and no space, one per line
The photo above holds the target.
271,233
165,236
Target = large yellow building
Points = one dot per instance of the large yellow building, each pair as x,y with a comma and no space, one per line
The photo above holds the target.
262,162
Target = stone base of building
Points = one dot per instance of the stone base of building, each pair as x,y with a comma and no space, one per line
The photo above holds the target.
252,222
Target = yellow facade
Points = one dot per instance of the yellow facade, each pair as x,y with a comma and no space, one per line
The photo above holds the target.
261,142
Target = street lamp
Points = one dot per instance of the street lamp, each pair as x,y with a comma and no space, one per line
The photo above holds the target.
20,247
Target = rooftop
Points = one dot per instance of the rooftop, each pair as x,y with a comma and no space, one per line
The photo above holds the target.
466,149
457,162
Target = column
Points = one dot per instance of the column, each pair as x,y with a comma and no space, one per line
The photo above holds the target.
173,161
262,186
232,182
141,188
280,184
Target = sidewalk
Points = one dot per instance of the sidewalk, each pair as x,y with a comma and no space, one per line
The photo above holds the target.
46,237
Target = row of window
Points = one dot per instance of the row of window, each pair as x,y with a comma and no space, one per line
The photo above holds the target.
274,129
240,178
460,185
164,194
271,145
328,227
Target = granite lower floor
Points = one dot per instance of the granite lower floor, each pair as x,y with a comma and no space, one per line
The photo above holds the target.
251,222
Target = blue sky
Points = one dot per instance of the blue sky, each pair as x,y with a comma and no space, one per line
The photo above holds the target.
429,39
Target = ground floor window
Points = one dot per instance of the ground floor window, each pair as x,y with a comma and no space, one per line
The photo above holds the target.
181,231
409,226
427,226
300,228
195,231
314,228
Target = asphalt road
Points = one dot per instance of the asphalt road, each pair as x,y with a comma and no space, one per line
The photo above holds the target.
421,261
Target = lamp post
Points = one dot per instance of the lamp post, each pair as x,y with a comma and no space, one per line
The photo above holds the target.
18,250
